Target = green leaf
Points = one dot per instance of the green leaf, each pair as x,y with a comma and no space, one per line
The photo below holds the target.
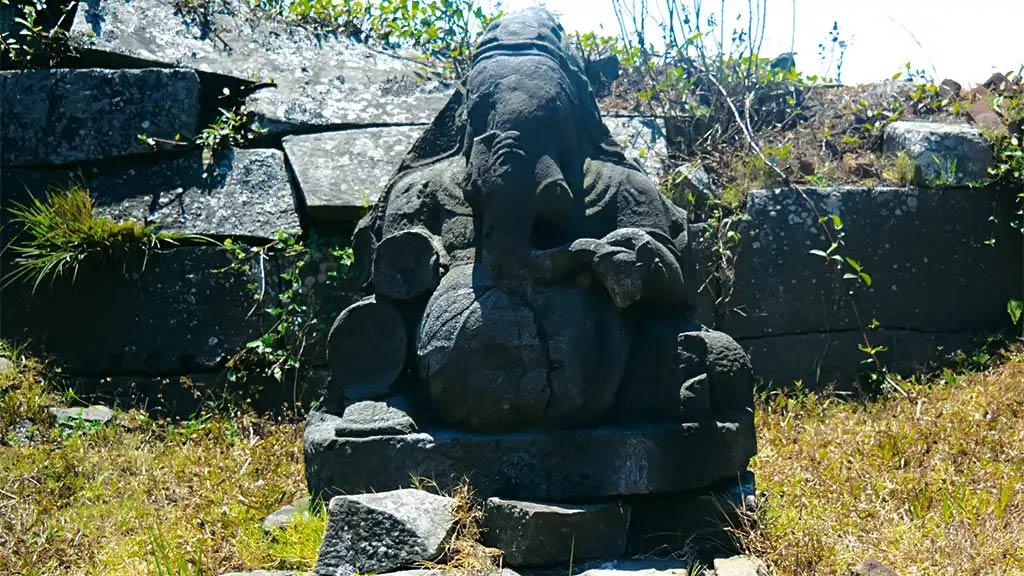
1014,308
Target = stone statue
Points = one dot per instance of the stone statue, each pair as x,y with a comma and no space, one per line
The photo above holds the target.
527,303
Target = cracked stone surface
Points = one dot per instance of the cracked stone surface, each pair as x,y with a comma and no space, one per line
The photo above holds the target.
318,79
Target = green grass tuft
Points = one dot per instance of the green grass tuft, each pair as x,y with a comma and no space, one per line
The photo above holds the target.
57,234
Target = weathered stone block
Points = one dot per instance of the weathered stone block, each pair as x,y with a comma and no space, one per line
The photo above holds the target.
924,249
318,79
172,311
944,154
536,534
243,193
341,174
555,465
63,116
375,533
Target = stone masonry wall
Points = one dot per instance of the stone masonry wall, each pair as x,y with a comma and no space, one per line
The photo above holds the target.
338,117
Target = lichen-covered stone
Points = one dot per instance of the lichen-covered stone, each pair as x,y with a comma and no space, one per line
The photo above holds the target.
341,174
944,154
376,533
318,79
925,251
643,138
63,116
244,192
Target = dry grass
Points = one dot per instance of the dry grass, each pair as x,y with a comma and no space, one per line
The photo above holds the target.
930,484
140,495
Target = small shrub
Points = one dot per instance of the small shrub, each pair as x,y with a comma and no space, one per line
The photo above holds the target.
61,232
38,36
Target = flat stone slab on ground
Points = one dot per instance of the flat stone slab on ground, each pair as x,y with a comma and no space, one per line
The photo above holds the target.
319,79
286,515
341,174
538,534
945,154
63,116
925,251
375,533
94,414
740,566
558,465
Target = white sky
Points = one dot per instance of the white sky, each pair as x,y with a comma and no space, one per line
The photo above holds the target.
965,40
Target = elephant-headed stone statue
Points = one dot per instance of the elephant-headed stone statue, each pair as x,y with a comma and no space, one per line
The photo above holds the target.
523,275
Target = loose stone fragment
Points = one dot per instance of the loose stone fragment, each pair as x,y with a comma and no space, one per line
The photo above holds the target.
97,414
286,515
375,533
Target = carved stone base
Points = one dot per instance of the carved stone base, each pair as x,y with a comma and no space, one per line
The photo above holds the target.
551,465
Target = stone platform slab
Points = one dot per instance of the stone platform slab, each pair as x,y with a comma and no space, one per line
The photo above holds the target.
554,465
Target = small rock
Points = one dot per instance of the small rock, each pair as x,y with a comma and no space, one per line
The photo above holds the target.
740,566
534,534
94,414
872,567
947,154
20,434
286,515
643,140
949,88
384,532
983,115
6,365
